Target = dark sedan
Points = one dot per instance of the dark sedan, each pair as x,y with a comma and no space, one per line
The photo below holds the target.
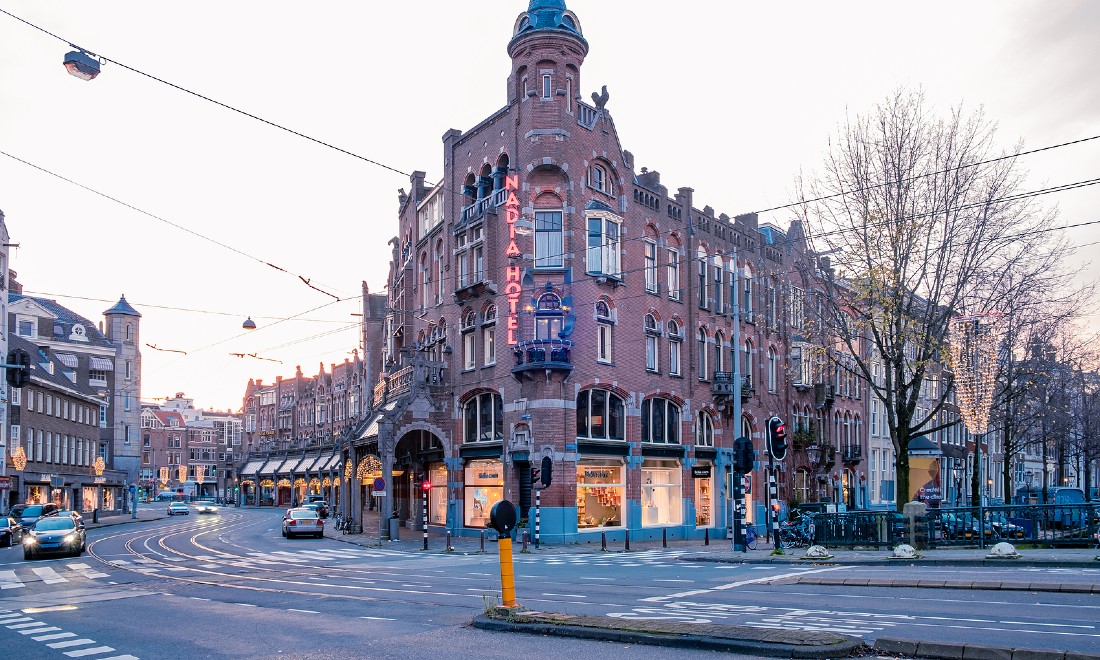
54,535
11,532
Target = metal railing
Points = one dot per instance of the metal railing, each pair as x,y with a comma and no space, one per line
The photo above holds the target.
1043,524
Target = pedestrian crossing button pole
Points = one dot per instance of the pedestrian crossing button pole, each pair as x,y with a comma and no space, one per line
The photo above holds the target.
502,517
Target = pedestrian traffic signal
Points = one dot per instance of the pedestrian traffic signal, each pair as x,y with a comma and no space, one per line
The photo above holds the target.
743,455
19,368
426,485
777,438
236,489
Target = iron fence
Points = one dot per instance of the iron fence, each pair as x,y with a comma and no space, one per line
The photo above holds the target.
1042,524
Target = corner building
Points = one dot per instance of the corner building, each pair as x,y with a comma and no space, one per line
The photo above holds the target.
547,300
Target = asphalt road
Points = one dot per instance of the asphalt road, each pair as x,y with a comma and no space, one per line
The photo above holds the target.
229,585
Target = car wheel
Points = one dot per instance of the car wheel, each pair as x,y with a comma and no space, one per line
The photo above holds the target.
28,555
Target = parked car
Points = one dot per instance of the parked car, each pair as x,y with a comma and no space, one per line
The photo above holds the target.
27,514
11,532
322,505
54,535
301,521
206,506
178,509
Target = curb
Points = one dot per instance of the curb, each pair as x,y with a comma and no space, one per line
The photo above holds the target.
979,585
799,561
952,651
847,647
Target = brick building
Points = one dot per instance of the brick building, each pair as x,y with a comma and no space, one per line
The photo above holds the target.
189,449
546,298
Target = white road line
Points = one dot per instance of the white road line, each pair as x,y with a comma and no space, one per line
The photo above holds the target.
674,581
72,642
57,635
36,631
48,575
83,652
35,624
377,618
121,657
9,580
86,570
740,583
18,619
291,609
566,595
597,578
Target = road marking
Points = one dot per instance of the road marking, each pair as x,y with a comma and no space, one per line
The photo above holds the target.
48,575
83,652
9,580
36,631
674,580
59,635
741,583
597,578
566,595
26,625
71,642
291,609
377,618
86,570
18,619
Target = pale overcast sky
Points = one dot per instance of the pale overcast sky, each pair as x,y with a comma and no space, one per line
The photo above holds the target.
733,99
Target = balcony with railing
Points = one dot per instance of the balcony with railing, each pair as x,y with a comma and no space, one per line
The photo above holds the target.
722,387
421,372
851,453
542,355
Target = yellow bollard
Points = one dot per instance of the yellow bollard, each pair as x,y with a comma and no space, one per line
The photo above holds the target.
507,572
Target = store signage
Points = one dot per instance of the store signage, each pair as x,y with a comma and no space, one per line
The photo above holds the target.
700,472
101,480
512,275
488,475
597,474
5,482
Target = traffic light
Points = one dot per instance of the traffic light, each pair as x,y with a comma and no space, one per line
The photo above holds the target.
426,485
236,489
547,471
777,438
743,455
19,369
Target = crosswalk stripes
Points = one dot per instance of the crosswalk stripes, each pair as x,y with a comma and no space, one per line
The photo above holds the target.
10,579
54,638
643,558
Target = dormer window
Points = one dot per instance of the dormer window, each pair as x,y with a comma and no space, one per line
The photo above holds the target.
599,179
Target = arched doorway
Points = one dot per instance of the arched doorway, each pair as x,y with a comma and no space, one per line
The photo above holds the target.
419,458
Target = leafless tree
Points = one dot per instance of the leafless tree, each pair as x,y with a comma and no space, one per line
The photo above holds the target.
922,220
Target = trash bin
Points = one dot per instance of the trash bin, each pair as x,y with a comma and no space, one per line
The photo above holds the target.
395,527
95,515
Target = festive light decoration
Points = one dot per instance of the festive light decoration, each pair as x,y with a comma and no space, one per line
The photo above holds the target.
164,475
98,466
182,471
248,482
284,483
200,474
266,483
314,483
326,482
299,482
347,471
368,467
19,458
974,351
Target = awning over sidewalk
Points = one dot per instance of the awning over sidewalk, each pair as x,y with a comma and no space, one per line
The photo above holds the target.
252,469
269,467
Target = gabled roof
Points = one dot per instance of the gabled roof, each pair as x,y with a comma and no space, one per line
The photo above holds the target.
66,318
42,375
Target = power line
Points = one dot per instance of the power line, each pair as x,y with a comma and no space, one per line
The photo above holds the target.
44,294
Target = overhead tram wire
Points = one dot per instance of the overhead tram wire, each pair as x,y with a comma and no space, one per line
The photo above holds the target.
45,294
141,211
457,193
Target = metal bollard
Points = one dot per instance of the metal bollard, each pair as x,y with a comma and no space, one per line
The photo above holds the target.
525,536
627,548
706,536
664,538
483,540
603,541
447,548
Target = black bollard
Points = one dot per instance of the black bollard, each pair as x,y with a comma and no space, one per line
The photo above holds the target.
664,538
447,548
603,541
483,540
706,536
627,548
525,536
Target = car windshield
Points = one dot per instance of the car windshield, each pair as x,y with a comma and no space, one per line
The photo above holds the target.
179,505
4,522
302,514
50,524
35,510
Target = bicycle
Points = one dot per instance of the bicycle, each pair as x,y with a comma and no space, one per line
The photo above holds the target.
750,538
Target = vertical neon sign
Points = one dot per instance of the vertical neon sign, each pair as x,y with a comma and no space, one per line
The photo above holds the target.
512,286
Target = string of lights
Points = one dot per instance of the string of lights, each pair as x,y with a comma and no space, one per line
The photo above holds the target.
974,347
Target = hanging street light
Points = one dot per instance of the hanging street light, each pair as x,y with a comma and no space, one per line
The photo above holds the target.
249,324
81,65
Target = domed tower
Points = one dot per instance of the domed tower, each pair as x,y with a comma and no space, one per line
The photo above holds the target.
124,413
547,49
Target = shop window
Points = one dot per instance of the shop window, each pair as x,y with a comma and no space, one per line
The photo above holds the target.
483,488
600,489
437,497
484,418
660,421
662,500
704,496
600,415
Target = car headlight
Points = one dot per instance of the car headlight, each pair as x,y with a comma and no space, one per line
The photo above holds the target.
71,538
29,539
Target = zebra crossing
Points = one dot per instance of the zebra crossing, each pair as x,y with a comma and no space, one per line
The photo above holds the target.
12,579
643,558
53,637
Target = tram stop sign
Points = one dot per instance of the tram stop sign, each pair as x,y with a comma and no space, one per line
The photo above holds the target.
503,517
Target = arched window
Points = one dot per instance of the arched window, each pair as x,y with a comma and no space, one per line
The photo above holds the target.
747,364
548,316
704,430
468,358
746,295
672,255
129,332
701,267
701,338
484,418
718,285
652,339
600,179
439,287
675,344
604,325
488,336
773,370
660,421
719,356
601,415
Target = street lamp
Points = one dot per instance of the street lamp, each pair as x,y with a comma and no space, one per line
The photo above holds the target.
81,65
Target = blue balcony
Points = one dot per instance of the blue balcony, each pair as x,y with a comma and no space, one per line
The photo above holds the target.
545,356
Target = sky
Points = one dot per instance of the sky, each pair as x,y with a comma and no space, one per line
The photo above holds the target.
732,99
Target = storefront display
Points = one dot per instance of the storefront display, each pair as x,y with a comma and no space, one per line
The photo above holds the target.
89,496
36,495
437,497
703,475
484,487
662,499
600,486
108,499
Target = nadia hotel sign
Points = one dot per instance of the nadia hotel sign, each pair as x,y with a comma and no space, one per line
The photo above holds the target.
512,287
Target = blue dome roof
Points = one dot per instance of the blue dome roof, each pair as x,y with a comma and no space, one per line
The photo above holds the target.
122,307
548,15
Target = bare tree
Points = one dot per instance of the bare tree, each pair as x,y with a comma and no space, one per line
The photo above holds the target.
922,222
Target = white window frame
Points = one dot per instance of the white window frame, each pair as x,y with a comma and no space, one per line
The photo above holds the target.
549,243
604,258
673,268
649,252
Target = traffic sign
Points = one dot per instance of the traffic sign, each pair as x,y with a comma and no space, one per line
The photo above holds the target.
379,484
379,493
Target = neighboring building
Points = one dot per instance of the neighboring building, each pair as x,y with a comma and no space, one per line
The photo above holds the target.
108,364
7,495
189,449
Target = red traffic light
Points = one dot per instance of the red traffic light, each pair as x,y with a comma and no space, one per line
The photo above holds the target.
426,485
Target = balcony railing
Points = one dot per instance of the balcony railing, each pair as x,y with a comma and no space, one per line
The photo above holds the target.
587,115
852,454
723,385
542,354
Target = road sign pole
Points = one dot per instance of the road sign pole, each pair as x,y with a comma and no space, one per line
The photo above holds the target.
738,528
425,491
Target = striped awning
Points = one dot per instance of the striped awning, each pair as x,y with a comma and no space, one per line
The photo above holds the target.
269,466
101,364
67,359
252,468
